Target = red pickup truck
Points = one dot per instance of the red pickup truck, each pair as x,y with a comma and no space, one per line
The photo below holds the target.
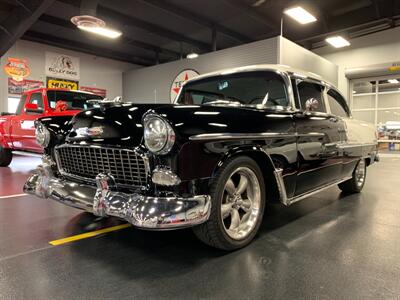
17,131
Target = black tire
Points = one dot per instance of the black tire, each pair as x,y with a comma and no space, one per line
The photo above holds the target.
213,231
5,156
354,185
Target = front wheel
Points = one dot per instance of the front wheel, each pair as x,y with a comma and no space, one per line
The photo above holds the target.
5,156
356,183
238,201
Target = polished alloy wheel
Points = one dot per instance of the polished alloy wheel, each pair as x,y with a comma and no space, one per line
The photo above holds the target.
359,173
241,201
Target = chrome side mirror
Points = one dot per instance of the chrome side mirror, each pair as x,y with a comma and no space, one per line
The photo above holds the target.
312,104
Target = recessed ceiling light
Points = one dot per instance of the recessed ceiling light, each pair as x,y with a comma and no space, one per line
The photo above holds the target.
393,81
338,41
95,25
192,55
300,15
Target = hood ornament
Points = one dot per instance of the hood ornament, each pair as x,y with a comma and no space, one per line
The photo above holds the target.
89,131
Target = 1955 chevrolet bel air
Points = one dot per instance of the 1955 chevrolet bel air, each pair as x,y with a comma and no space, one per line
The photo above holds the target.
232,141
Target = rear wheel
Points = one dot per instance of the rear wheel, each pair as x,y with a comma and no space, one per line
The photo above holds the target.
5,156
357,181
238,201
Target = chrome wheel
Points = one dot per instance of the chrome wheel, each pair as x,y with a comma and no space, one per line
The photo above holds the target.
359,173
241,200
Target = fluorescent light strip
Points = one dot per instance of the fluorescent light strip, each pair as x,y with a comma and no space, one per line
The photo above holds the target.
300,15
338,41
107,32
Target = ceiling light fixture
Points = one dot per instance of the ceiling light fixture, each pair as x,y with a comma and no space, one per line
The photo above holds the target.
192,55
95,25
300,15
337,41
393,81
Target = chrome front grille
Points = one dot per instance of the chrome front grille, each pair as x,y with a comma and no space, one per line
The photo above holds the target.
85,162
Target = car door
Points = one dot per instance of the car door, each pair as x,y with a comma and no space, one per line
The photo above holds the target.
338,107
23,126
319,138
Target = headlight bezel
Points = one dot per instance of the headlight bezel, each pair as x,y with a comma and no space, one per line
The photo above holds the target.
169,133
42,134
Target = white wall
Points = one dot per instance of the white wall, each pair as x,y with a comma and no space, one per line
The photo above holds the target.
94,71
153,83
296,56
377,48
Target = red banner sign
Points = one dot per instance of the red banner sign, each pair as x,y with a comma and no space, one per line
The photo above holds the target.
18,87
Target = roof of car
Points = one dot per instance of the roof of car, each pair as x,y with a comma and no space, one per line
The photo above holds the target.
263,67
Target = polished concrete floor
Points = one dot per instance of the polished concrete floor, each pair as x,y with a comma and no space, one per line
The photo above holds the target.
329,246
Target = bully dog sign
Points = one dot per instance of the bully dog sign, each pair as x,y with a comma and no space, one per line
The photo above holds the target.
62,66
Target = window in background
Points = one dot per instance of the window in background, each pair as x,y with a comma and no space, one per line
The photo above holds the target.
12,104
378,102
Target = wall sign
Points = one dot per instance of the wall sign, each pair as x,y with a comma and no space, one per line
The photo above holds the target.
94,90
180,79
17,68
62,66
18,87
62,83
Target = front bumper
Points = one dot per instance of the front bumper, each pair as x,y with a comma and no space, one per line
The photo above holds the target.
104,200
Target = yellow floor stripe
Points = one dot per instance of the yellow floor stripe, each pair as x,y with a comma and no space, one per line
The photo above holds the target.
88,235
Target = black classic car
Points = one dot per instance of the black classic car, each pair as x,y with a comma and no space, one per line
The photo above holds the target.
232,141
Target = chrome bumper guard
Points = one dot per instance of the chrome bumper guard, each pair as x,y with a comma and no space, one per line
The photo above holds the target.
103,200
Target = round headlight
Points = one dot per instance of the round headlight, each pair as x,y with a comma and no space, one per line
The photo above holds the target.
42,135
159,137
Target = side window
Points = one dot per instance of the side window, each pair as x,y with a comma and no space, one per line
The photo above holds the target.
337,104
311,96
37,98
21,104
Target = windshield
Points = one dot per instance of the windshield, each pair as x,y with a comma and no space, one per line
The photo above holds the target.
70,100
249,88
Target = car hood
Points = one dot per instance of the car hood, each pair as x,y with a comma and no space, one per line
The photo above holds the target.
122,124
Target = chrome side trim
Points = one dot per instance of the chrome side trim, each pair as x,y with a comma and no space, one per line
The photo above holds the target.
281,185
239,136
288,201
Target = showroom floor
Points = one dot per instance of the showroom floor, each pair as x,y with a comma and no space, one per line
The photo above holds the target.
328,246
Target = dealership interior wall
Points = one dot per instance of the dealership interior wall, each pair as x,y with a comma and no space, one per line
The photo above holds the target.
95,71
149,84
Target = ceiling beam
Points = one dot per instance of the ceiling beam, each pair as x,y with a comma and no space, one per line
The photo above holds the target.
196,18
107,13
124,40
84,47
253,13
21,18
